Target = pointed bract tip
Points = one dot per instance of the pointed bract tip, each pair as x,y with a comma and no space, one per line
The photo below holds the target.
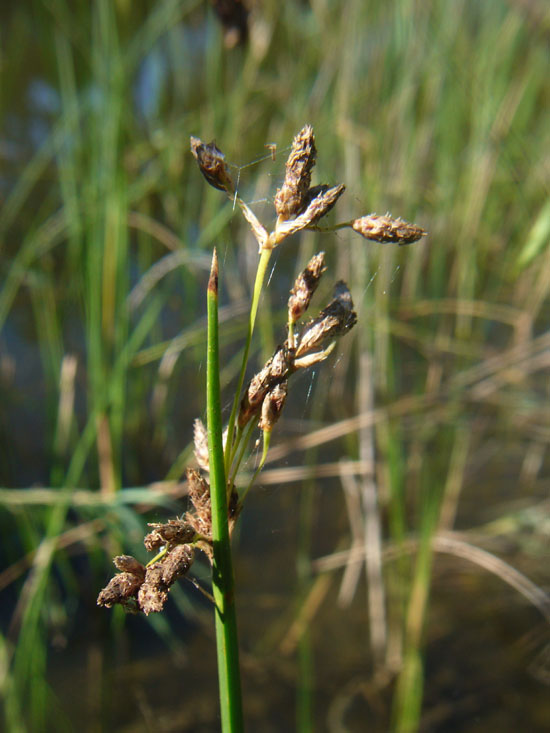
213,279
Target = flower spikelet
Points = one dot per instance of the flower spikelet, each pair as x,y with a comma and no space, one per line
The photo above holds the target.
199,494
317,208
172,533
386,229
275,371
334,320
290,197
272,406
177,563
212,164
305,286
153,593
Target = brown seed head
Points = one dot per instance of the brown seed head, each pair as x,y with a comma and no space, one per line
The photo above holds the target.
177,563
212,164
333,321
385,229
317,208
129,564
321,199
200,518
153,541
119,589
290,197
174,532
153,593
272,406
275,370
304,287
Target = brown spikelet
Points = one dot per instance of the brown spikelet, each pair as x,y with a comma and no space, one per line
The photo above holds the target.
212,164
153,593
200,518
305,286
321,199
290,197
275,370
386,229
120,589
177,563
272,406
318,207
129,564
153,541
334,320
173,532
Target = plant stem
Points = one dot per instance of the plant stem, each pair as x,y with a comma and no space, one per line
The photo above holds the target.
266,442
222,571
258,284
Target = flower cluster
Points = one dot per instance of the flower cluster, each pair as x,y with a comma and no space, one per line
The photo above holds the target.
298,206
145,588
266,391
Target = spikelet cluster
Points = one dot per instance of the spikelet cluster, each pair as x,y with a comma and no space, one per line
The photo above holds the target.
145,588
298,206
266,392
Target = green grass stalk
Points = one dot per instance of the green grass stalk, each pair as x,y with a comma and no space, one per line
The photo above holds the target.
222,575
258,284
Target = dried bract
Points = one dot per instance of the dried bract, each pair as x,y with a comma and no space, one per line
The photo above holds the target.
305,286
385,229
334,320
289,199
258,229
316,357
212,164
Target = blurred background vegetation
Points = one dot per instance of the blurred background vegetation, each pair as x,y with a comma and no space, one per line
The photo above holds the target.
417,458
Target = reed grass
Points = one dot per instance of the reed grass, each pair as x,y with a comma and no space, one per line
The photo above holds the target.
432,111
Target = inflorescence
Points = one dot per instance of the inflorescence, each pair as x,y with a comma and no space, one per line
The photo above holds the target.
298,206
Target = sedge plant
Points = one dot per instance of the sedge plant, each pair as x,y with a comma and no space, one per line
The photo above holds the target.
216,493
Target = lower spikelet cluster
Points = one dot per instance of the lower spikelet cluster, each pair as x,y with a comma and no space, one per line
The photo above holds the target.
145,588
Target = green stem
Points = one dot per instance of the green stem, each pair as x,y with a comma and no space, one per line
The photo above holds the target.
244,441
222,570
258,284
266,441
